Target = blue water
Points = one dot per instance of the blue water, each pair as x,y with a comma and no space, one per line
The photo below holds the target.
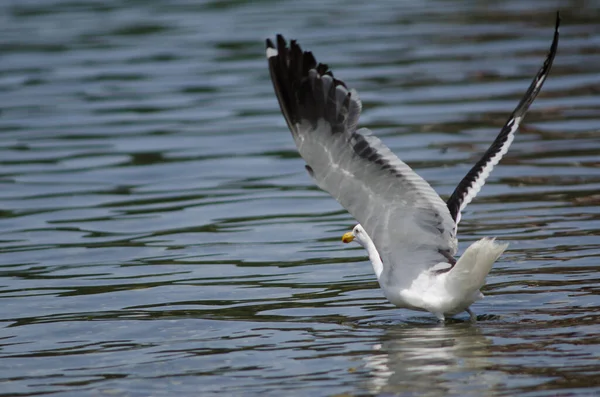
159,235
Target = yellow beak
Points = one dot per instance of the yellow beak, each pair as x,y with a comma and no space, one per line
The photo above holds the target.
348,237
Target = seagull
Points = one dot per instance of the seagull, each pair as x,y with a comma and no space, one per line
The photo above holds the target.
407,229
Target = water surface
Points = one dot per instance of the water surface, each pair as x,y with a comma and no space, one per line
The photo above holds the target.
159,235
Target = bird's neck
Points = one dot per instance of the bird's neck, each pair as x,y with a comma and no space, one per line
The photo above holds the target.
375,258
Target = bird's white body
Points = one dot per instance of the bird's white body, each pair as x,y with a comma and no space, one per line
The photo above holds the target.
451,292
438,290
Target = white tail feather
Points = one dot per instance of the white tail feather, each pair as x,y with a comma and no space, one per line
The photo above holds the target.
468,275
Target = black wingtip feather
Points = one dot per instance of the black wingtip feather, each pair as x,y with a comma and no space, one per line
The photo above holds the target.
301,90
455,201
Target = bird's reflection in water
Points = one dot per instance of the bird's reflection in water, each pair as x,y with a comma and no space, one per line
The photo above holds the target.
431,360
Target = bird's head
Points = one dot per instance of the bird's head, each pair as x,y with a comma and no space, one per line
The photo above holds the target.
357,234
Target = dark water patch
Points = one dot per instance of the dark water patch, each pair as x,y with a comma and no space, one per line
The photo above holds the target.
141,29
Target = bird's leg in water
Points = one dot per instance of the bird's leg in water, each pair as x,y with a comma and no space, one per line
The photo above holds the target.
472,315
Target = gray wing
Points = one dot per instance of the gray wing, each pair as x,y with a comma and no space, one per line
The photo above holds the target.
407,220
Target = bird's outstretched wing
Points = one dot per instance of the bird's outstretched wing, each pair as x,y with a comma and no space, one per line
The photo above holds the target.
472,183
407,220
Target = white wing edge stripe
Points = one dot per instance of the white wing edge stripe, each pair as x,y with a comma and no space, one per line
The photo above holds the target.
485,171
271,52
